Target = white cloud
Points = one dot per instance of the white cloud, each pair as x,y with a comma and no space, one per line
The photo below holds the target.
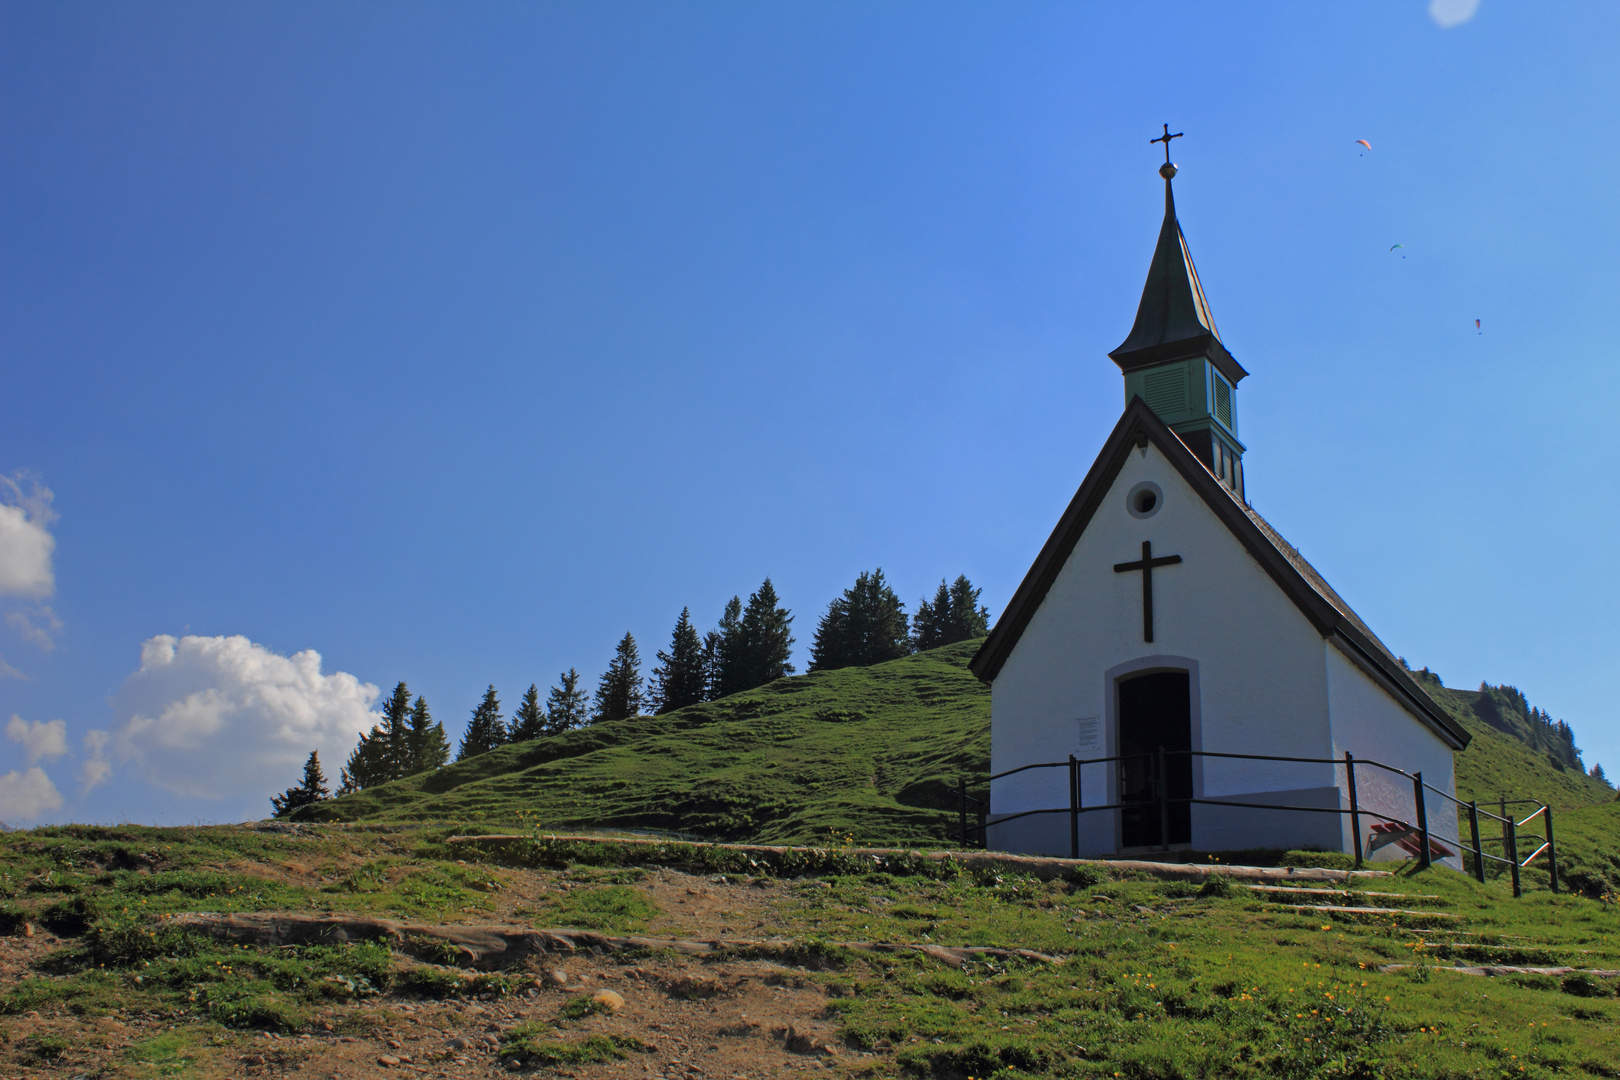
94,768
221,716
26,795
48,740
1450,13
9,672
39,625
26,543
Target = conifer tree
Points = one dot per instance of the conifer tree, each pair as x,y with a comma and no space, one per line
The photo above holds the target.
711,665
767,641
618,695
866,625
429,748
367,764
680,677
396,753
529,722
727,652
486,730
954,615
566,705
311,790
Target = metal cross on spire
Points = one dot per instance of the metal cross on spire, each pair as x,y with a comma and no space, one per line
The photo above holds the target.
1165,138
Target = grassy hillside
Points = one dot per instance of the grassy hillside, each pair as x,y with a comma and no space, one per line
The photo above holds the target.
1513,752
122,964
869,753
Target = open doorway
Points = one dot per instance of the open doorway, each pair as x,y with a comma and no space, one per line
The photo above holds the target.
1155,713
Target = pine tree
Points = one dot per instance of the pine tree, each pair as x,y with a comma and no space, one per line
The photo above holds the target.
954,615
396,753
429,747
486,730
728,652
566,705
711,665
368,763
1597,774
767,643
618,695
311,790
680,678
864,626
529,722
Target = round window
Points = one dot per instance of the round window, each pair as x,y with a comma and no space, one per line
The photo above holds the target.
1144,500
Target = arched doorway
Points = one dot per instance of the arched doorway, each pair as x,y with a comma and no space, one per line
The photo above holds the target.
1155,713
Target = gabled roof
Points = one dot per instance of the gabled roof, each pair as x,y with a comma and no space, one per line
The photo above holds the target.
1298,579
1173,320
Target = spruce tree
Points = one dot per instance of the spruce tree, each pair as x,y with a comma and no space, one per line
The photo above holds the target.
368,763
618,695
680,677
866,625
711,665
529,722
397,733
429,748
767,641
311,790
566,705
954,615
728,654
486,730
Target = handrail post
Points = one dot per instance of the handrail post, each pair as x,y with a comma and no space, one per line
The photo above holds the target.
1422,818
1479,854
1510,841
1074,808
1355,805
1552,852
961,791
1164,804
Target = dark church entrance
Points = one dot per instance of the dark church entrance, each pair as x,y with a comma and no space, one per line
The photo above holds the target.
1155,713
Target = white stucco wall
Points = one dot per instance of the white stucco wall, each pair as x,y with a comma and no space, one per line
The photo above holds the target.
1260,685
1263,681
1370,724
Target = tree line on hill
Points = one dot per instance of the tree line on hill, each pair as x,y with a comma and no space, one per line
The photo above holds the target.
751,646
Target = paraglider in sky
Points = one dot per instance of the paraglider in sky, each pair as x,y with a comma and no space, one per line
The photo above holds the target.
1364,142
1478,327
1398,246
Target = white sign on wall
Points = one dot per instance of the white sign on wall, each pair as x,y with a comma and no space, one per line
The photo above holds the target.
1089,732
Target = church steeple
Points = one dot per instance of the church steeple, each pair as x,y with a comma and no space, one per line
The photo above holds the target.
1174,359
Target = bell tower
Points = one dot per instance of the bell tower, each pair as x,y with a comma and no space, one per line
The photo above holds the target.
1174,359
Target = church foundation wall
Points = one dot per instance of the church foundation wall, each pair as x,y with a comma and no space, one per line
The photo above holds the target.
1234,828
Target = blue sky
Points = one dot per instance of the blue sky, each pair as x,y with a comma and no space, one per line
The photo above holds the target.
450,342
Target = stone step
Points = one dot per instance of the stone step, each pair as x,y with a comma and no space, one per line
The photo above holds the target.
1343,909
1292,890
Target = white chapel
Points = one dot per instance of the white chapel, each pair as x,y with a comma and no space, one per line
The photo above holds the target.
1165,623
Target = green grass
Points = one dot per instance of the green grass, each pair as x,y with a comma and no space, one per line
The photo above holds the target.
617,908
866,755
1159,980
869,753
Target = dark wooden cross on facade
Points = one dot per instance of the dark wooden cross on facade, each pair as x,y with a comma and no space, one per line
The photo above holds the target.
1165,138
1146,565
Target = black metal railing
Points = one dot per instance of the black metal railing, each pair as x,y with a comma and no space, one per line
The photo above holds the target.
1410,834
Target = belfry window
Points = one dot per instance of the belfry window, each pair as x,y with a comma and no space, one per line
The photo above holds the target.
1223,401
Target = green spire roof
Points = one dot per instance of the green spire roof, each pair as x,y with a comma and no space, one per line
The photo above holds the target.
1173,321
